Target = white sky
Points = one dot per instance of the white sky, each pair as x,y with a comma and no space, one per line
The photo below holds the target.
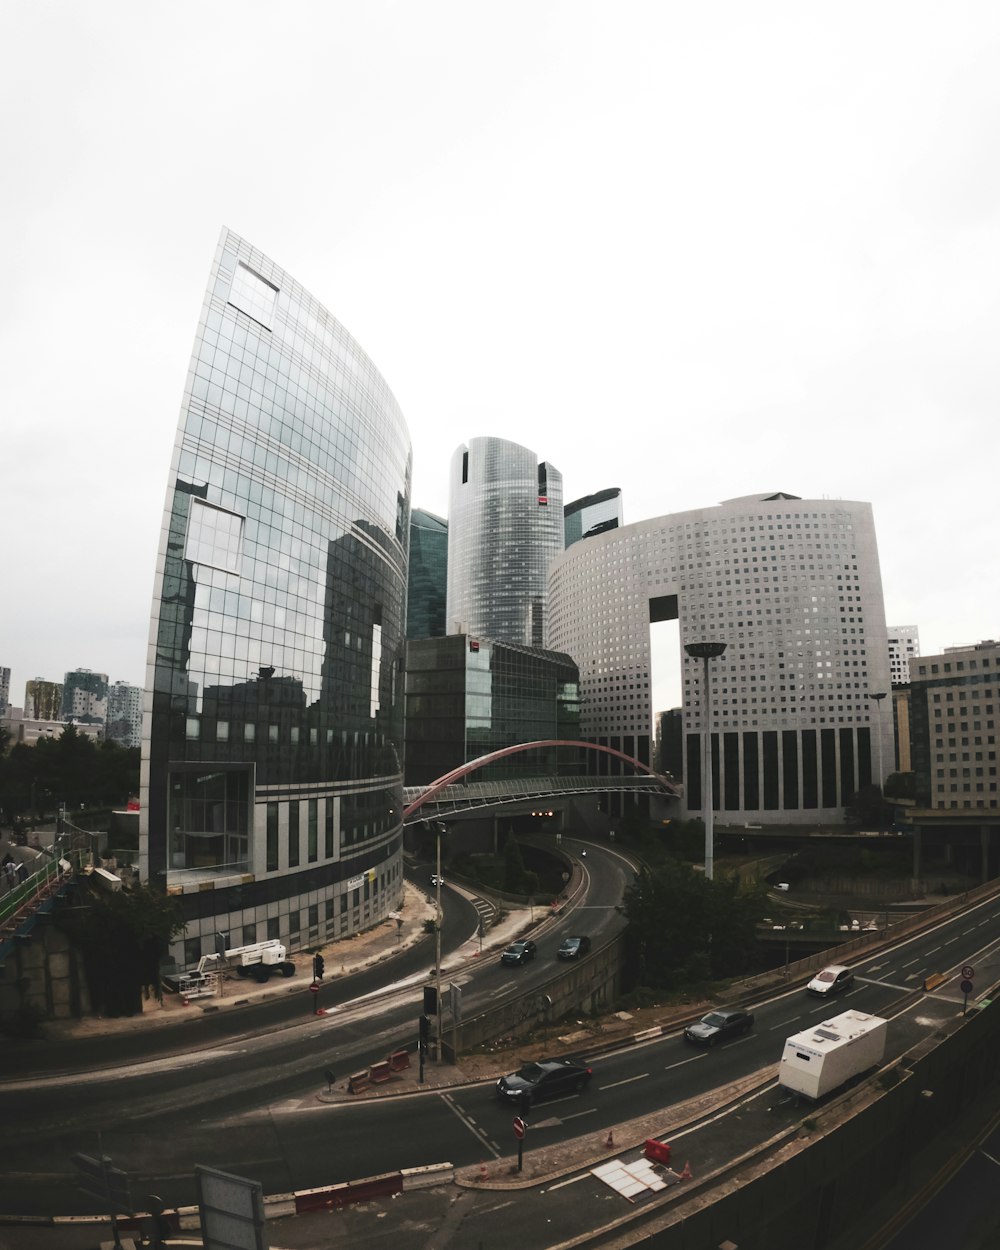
638,238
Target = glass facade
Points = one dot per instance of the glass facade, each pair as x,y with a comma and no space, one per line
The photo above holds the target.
274,698
505,526
428,577
593,514
466,697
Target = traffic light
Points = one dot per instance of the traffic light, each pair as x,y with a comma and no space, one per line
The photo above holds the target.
318,966
430,1000
425,1028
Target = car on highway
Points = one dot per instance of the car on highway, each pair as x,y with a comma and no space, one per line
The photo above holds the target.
574,948
436,880
546,1078
519,953
831,980
717,1026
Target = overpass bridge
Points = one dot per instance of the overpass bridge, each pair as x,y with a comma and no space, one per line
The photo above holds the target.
452,793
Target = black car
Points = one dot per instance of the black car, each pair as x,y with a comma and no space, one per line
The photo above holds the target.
518,953
718,1025
574,948
548,1078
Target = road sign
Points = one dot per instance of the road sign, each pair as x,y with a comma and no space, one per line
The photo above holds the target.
968,972
965,986
519,1128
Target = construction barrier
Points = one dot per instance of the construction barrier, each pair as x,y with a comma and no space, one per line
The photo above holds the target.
399,1059
380,1072
934,980
657,1151
350,1191
359,1082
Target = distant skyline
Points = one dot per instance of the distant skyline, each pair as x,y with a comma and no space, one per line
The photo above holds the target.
695,252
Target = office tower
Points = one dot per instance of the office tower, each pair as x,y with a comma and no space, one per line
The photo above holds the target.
793,588
427,584
124,720
4,691
42,699
271,791
954,713
904,646
85,697
505,526
467,697
593,514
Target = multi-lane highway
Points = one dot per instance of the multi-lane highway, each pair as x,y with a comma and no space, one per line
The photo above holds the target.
249,1105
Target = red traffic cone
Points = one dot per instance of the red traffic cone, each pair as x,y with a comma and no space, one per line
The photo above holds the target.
610,1142
186,1001
686,1174
483,1171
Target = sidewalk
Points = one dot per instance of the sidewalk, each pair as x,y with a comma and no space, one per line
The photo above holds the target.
344,956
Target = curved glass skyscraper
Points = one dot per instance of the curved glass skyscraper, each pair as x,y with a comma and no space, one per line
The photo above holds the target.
505,526
272,734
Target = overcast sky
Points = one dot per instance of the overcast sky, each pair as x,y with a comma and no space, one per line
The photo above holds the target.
696,251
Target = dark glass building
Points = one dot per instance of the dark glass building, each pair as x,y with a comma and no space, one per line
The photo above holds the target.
272,735
427,587
466,697
593,514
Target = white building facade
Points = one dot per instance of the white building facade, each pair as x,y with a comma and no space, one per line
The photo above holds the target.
793,588
904,646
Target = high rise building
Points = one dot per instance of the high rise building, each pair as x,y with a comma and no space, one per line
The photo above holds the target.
124,721
85,697
42,699
427,584
904,646
467,697
954,714
505,526
4,691
271,789
793,588
593,514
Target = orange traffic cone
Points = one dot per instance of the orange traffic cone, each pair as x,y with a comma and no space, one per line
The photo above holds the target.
483,1171
610,1142
686,1174
187,1002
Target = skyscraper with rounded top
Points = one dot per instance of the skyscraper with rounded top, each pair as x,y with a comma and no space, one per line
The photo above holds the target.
271,787
505,527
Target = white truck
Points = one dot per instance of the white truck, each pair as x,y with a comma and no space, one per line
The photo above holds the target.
825,1056
258,960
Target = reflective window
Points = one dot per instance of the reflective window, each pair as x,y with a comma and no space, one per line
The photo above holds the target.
253,295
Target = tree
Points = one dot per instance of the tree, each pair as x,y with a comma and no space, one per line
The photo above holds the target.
901,786
868,809
123,936
684,928
513,866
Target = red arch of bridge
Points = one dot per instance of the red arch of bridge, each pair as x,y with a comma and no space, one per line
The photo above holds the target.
456,774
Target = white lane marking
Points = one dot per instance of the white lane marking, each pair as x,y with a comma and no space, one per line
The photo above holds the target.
934,949
562,1184
990,1157
910,964
627,1081
470,1125
499,1207
576,1114
783,1024
681,1062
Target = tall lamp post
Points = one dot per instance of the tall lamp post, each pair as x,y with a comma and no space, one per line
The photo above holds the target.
706,651
878,696
439,828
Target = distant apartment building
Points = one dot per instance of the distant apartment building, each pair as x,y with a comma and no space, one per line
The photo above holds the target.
593,514
505,527
43,700
85,697
904,646
4,691
427,581
954,713
124,717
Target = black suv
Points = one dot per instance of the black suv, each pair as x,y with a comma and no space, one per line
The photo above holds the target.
518,953
574,948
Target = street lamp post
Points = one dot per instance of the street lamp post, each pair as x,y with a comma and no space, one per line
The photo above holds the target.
878,696
706,651
439,828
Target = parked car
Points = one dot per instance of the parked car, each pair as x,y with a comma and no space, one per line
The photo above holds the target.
574,948
718,1025
831,980
518,953
548,1078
